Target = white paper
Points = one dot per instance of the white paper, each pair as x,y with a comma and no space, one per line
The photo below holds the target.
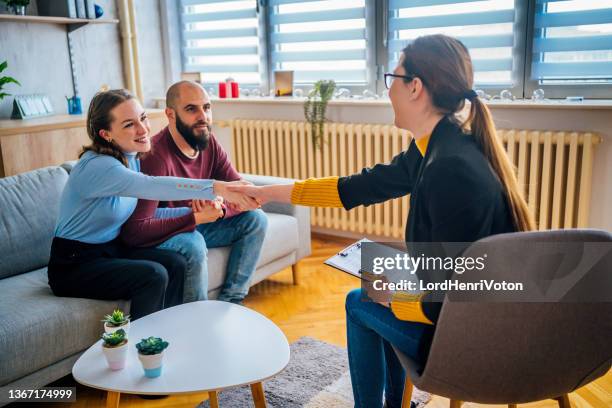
349,259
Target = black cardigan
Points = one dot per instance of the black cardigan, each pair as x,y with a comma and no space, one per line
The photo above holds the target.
455,196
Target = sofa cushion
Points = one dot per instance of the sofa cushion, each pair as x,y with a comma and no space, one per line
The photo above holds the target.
30,205
281,239
45,327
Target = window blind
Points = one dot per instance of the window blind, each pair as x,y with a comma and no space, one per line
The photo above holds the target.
319,40
572,41
484,26
220,39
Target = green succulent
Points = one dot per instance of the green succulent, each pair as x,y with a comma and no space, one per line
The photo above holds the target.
152,345
117,318
315,107
115,338
6,80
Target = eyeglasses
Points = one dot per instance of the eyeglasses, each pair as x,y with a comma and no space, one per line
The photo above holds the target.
390,77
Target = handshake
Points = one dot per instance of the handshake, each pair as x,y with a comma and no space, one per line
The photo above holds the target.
238,195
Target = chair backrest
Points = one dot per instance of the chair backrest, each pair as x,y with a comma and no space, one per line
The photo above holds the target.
519,352
29,205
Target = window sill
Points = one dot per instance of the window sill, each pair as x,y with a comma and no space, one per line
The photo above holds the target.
550,104
518,104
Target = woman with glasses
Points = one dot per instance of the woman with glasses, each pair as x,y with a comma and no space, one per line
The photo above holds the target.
462,188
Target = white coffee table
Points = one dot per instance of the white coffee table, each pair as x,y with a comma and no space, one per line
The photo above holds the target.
213,346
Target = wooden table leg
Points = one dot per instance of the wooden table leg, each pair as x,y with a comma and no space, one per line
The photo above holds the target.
564,401
259,397
213,399
407,394
112,399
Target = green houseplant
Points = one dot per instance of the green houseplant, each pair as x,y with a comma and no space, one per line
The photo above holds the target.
315,107
5,80
18,6
151,354
114,346
116,320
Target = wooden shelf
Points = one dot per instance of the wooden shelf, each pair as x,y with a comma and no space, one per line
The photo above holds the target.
9,127
55,20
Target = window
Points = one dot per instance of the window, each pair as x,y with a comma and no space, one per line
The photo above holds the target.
220,38
562,46
485,27
320,40
572,43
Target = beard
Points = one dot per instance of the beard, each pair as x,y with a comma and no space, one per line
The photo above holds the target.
196,138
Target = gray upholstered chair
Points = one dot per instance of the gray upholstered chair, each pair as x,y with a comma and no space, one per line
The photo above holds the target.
510,353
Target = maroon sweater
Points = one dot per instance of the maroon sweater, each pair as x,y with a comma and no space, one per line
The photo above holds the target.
165,159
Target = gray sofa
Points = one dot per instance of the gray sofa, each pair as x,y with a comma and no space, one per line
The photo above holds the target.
42,335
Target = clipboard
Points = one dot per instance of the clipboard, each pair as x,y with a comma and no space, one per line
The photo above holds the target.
349,259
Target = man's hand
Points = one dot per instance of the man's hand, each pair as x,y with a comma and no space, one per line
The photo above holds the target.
235,199
206,211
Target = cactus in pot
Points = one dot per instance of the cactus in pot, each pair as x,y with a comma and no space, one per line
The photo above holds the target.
151,354
114,347
115,321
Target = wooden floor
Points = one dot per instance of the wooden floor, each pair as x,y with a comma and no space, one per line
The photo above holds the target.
315,308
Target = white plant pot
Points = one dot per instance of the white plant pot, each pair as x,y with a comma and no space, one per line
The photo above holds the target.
152,364
116,356
112,329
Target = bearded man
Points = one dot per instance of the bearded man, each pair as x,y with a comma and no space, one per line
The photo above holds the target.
188,148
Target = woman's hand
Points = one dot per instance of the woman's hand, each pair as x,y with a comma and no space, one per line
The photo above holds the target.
255,192
280,192
236,199
382,297
206,211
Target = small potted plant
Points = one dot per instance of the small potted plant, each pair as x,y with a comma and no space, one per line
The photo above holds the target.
316,106
115,321
151,354
5,80
114,346
17,6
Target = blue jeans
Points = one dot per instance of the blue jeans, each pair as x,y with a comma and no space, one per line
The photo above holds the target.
193,248
244,232
374,367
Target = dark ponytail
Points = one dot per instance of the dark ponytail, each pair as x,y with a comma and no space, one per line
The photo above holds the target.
99,118
480,123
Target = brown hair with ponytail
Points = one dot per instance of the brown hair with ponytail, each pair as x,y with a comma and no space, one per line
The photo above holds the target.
99,118
444,66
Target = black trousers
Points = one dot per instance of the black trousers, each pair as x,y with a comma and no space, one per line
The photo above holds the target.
151,278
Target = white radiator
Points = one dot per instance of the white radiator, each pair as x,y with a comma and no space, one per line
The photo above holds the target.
554,168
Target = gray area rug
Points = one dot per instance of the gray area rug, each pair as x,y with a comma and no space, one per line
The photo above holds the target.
317,376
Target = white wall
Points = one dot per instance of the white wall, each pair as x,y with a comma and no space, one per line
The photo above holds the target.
596,119
148,31
37,56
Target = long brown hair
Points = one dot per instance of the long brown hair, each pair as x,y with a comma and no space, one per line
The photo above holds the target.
444,66
99,118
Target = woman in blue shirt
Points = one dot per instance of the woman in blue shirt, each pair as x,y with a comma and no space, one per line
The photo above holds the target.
101,193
